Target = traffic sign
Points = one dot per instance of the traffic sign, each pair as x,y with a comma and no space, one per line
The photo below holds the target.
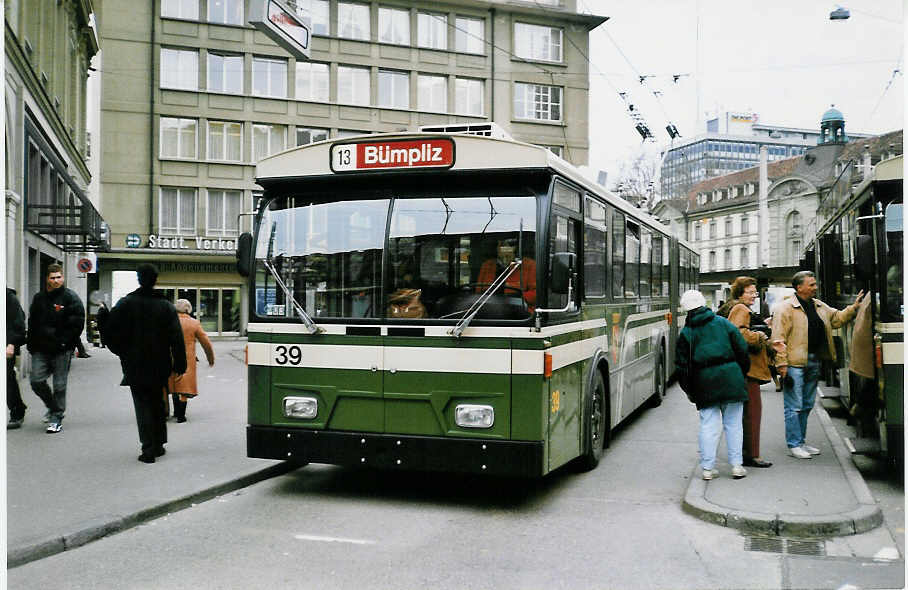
282,25
84,265
133,240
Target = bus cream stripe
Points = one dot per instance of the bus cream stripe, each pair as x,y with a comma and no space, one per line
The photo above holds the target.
448,360
474,332
318,356
893,353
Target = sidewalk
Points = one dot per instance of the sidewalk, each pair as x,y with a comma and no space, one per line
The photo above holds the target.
820,497
67,489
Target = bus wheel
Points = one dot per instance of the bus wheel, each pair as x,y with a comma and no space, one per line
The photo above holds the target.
595,425
659,377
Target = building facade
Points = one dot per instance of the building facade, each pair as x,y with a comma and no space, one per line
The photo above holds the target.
193,97
757,221
49,45
732,142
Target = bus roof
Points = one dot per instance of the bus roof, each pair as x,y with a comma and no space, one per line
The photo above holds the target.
471,152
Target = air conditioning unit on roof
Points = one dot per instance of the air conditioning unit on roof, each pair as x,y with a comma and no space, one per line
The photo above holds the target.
483,129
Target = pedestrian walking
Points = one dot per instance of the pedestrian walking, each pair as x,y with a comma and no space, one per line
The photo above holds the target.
756,334
185,386
804,324
143,330
711,361
15,338
55,321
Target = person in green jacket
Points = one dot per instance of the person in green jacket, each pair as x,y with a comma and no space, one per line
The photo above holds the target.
711,361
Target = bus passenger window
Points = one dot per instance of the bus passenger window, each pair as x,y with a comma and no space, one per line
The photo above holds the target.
895,296
632,262
617,254
594,242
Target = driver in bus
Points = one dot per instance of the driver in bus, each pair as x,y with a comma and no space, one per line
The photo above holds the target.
523,279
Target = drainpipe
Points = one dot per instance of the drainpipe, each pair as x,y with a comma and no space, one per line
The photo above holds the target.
492,53
763,209
151,72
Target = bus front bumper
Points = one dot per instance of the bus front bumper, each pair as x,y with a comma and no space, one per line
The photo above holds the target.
387,451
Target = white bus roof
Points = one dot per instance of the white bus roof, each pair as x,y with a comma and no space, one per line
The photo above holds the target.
472,152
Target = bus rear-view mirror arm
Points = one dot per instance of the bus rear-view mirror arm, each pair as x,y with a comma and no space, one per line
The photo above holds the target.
562,281
307,321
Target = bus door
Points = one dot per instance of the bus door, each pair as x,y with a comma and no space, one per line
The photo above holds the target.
566,386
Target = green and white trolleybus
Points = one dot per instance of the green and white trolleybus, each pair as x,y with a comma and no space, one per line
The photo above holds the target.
451,302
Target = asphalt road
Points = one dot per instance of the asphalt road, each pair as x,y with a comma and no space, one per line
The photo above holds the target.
620,526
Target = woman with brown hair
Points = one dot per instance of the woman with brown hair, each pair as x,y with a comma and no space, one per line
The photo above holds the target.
737,310
185,386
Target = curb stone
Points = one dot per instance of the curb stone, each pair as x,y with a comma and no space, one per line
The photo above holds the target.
103,526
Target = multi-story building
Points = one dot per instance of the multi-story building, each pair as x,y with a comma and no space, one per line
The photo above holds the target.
193,97
757,221
49,217
731,142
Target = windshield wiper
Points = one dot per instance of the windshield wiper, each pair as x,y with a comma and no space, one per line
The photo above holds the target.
307,320
487,294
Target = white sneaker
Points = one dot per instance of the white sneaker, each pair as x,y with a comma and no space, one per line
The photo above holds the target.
709,474
810,449
738,471
799,452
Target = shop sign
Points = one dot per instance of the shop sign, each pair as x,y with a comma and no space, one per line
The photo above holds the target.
191,242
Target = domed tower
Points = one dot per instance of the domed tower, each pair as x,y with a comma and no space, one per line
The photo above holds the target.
832,127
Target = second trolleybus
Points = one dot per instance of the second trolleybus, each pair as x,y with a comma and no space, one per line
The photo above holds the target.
451,302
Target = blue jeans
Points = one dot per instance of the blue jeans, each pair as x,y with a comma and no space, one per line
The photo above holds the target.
45,365
799,394
712,421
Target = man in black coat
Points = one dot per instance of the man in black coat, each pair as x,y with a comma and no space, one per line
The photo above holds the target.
15,338
56,318
144,331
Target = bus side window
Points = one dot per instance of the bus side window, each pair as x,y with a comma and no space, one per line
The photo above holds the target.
594,243
646,252
657,266
564,239
617,254
632,260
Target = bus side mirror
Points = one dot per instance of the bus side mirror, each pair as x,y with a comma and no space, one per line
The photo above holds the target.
562,270
863,257
244,254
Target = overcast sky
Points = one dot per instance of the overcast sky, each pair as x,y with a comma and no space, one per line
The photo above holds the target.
782,59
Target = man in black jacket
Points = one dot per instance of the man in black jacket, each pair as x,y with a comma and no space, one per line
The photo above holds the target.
144,331
15,338
55,321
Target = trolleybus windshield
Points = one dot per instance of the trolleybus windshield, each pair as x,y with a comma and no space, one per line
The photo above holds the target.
442,254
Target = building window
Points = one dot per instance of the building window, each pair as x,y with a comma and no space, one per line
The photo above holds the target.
468,97
225,141
433,93
726,259
267,140
795,252
555,149
393,26
353,85
311,81
179,69
393,89
342,133
745,229
318,12
227,12
728,226
697,233
537,42
187,9
432,30
469,35
537,101
353,21
712,261
269,77
178,137
177,211
225,73
713,232
794,222
307,135
745,263
223,213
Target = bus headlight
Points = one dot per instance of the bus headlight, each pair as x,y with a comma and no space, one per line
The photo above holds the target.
300,407
474,416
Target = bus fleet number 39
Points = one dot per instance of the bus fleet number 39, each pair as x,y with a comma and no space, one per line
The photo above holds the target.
289,354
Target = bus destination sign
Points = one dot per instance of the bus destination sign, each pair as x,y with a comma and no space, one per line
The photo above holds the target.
372,155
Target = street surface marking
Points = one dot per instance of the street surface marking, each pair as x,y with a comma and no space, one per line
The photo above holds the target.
333,539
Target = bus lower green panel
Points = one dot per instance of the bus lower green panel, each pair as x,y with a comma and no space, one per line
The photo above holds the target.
347,399
565,414
259,397
894,376
424,403
529,407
